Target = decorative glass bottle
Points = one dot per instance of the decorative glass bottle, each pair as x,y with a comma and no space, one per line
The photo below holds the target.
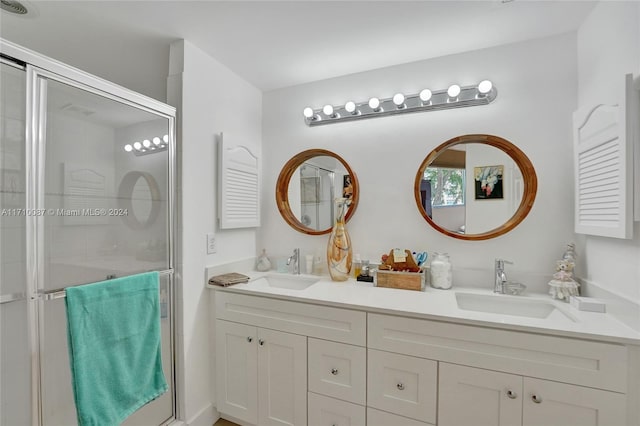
339,251
441,271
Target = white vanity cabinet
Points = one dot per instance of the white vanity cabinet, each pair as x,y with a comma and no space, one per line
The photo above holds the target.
262,359
261,374
500,377
495,398
328,366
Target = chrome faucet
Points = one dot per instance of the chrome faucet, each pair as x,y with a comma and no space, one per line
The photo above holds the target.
296,261
500,276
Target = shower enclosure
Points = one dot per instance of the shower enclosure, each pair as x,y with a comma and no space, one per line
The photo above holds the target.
316,196
86,194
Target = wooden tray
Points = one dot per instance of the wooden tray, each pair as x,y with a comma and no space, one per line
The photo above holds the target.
401,280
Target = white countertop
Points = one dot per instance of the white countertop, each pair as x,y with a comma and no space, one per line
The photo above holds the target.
441,305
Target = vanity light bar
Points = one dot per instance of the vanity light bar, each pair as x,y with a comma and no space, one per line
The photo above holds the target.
453,97
148,146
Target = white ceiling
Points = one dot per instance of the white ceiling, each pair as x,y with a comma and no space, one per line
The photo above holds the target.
277,44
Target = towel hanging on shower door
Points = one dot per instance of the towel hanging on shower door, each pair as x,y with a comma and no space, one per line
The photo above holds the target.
114,347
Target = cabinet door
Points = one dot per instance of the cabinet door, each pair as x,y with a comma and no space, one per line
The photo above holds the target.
237,370
472,396
559,404
282,378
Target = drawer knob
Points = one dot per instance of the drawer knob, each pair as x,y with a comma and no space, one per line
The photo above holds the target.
511,394
334,371
249,339
400,386
261,342
535,398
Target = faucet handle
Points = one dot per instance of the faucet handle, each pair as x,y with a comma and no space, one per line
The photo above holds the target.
500,263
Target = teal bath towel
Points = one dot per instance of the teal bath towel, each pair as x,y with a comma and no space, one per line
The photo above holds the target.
114,347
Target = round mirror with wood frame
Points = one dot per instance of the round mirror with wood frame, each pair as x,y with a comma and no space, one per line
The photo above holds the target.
447,153
127,200
348,186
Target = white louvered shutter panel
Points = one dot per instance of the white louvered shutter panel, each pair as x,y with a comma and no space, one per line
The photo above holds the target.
603,156
239,187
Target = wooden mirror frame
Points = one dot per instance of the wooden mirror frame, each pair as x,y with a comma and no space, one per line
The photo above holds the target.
282,189
523,162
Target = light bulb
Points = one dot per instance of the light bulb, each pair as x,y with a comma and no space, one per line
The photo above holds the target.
374,103
425,95
128,148
308,112
350,107
328,110
156,141
485,86
165,138
137,145
146,143
453,91
398,99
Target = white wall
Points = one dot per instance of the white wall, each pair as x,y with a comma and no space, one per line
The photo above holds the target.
608,48
536,84
210,99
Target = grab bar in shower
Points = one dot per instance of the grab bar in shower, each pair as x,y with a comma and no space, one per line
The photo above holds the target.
61,293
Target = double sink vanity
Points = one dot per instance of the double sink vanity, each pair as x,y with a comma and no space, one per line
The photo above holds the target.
303,350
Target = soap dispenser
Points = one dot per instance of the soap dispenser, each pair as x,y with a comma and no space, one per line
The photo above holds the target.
263,263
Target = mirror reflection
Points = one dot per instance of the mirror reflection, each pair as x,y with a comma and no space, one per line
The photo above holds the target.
475,187
307,187
139,196
471,188
312,189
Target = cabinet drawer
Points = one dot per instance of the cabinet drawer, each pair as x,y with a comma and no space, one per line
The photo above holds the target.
588,363
338,370
324,322
402,385
325,411
382,418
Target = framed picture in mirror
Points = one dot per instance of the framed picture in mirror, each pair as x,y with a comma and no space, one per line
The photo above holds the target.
488,182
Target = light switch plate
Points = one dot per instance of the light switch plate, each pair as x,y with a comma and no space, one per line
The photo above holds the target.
212,247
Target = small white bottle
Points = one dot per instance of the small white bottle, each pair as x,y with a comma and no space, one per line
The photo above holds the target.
309,263
441,271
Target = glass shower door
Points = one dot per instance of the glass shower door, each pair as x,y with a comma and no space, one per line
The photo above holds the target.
105,213
15,367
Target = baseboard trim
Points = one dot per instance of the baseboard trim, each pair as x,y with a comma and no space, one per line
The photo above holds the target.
205,417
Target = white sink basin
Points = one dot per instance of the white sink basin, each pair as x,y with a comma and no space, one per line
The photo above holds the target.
291,282
506,305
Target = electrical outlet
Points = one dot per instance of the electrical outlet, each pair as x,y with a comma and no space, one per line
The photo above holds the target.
211,243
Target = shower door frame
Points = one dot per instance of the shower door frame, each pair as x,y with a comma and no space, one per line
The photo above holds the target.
39,69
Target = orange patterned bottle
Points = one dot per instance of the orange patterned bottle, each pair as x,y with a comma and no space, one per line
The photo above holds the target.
339,251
